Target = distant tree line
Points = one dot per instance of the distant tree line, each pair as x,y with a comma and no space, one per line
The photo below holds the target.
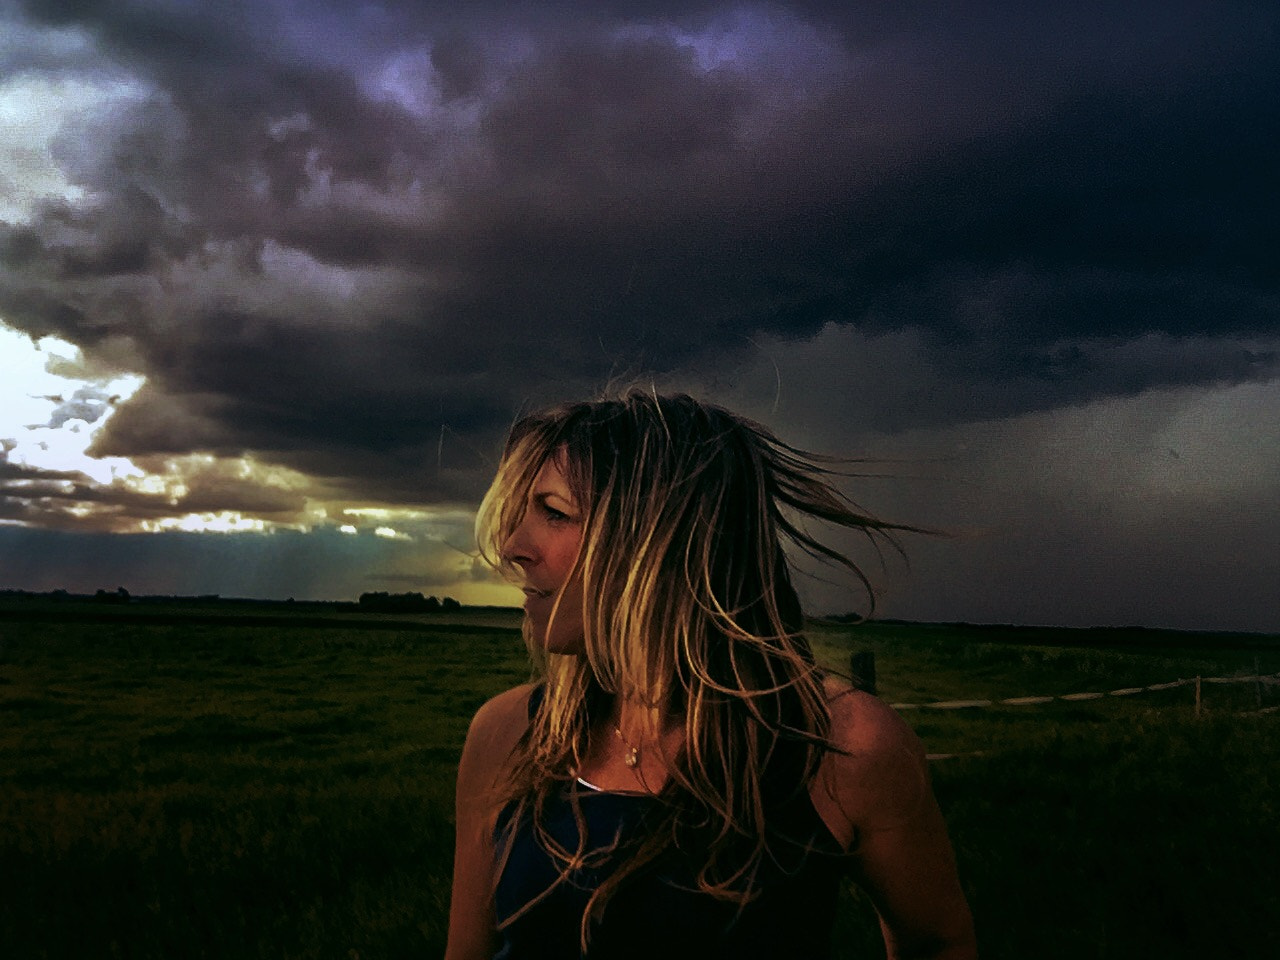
379,601
118,595
850,617
406,602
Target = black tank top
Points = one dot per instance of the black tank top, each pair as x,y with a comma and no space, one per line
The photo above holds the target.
658,913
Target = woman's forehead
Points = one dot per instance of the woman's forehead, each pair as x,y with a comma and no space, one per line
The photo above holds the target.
553,476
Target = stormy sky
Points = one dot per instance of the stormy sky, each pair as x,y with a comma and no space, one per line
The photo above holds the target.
275,277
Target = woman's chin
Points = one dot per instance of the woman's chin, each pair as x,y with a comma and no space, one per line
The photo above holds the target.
568,646
550,633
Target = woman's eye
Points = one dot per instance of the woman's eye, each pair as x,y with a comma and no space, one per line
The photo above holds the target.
553,514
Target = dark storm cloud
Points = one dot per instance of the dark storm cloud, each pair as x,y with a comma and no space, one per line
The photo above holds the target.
354,242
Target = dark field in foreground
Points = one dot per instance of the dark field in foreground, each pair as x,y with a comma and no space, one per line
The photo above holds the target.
213,788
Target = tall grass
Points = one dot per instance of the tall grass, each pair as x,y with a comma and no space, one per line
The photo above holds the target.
172,790
1156,835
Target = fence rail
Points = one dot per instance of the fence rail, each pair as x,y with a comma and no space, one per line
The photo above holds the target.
863,672
1269,679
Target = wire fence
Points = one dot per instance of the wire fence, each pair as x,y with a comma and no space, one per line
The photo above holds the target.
863,672
1269,679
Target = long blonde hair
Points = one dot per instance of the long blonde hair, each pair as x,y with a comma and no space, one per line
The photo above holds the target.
690,609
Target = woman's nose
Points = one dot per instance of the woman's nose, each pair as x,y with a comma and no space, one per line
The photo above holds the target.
516,549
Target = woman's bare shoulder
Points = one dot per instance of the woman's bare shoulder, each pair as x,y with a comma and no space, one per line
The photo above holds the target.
877,774
864,725
508,709
495,730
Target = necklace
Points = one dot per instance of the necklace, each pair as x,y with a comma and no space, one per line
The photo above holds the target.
632,756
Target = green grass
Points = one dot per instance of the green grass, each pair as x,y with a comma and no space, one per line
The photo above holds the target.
192,787
1153,837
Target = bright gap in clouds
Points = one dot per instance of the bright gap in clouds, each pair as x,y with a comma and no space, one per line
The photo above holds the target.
34,110
48,418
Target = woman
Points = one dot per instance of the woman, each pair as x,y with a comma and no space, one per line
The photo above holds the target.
684,781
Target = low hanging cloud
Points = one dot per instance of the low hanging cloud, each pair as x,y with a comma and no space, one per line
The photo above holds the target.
195,487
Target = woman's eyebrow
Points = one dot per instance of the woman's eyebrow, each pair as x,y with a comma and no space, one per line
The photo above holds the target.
542,496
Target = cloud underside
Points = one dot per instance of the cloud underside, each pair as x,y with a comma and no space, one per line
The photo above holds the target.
357,260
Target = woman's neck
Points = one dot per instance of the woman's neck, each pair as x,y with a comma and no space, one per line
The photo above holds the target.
634,747
641,720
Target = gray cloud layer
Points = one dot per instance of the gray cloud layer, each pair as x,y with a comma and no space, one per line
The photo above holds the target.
330,236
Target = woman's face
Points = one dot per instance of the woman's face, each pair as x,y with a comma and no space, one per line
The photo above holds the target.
544,547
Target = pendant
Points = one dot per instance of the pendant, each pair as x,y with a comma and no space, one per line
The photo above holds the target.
632,757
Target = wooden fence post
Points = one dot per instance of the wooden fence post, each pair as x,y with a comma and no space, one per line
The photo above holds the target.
1197,696
862,667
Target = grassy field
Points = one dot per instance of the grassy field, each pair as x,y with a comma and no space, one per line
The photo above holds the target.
189,784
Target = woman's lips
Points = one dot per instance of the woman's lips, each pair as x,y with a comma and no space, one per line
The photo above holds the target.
531,595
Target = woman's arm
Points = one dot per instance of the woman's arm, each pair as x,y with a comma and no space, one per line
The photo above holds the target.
494,731
878,801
